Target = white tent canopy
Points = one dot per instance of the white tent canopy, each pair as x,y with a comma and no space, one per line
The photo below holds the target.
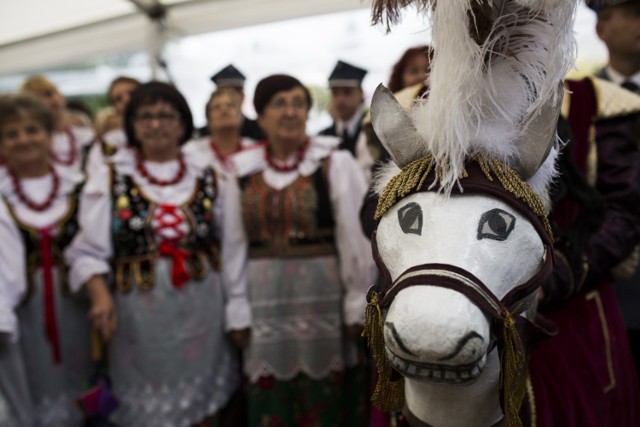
40,34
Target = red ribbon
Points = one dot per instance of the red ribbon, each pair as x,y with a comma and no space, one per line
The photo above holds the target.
179,273
50,318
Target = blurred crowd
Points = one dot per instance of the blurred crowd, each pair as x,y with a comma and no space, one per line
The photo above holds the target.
155,274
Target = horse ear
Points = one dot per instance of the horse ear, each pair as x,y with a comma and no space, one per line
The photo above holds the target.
540,135
393,126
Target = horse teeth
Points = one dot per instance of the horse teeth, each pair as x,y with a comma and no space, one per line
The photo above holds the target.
475,371
449,375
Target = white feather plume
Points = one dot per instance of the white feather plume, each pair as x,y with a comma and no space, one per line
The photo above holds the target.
482,97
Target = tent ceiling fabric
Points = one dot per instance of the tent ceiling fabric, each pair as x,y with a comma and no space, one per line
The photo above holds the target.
39,34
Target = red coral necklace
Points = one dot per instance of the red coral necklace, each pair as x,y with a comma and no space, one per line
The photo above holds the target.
285,168
17,188
142,169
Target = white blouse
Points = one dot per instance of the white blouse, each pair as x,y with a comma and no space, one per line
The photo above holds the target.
115,138
202,147
13,275
347,189
64,144
89,253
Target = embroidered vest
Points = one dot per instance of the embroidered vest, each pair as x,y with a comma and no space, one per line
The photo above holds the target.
134,244
296,221
62,233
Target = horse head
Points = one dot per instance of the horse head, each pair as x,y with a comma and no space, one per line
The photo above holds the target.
462,240
460,271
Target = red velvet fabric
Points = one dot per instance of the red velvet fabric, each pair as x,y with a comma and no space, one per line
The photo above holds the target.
570,372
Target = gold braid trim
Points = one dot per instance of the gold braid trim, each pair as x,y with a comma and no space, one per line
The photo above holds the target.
413,176
512,372
410,178
388,395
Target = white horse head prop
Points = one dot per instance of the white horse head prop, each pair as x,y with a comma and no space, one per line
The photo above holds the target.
463,241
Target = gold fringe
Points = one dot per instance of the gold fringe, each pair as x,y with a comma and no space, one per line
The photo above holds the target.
410,178
512,182
388,395
414,175
512,373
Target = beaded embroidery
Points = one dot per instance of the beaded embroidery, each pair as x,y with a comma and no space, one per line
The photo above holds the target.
134,243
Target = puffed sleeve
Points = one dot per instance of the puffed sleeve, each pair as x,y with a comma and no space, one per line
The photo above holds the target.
89,252
234,254
347,188
12,273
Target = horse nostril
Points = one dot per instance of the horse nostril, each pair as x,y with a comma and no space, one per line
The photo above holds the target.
465,342
398,339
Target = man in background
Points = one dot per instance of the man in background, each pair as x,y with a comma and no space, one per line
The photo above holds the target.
346,105
618,26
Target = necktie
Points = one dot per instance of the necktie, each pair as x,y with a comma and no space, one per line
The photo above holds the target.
633,87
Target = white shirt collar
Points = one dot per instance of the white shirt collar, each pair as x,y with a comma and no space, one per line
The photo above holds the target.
618,78
351,125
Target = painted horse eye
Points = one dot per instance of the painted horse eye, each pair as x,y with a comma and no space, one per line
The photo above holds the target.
410,218
496,224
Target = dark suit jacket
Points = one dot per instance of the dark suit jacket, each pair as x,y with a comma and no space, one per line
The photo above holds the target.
348,142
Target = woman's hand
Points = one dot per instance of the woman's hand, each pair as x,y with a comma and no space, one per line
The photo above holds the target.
240,337
103,311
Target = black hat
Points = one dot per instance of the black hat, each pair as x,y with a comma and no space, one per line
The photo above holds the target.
598,5
346,75
229,76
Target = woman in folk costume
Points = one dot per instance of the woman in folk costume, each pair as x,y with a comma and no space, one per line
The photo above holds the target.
224,119
71,143
309,267
585,376
168,229
38,219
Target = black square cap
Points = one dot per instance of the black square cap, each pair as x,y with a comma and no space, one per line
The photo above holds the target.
229,76
598,5
346,75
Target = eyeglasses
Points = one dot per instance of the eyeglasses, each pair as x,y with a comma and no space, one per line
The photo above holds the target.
162,118
281,105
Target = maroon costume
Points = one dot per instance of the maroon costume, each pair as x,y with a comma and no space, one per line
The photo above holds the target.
585,376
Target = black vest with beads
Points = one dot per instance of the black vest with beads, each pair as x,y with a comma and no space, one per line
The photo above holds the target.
134,244
64,230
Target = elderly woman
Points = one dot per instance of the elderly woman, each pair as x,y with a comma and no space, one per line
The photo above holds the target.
166,223
224,118
46,362
70,143
309,268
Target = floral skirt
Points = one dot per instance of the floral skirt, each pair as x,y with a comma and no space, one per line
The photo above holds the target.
341,399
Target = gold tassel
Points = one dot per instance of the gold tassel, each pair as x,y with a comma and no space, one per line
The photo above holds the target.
512,378
388,395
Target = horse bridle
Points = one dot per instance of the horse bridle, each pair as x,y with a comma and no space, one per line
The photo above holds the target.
463,281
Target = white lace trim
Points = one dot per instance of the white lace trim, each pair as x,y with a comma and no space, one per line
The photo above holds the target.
262,368
301,300
298,328
181,405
